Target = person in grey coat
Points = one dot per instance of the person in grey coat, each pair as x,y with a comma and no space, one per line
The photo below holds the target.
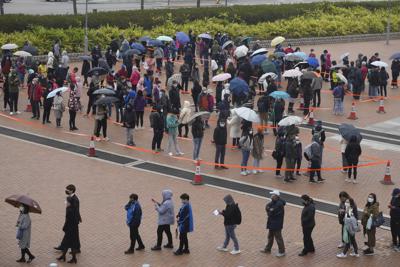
166,218
290,158
24,233
316,155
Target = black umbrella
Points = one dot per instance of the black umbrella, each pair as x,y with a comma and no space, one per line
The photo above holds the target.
97,71
30,49
348,131
106,100
88,58
104,91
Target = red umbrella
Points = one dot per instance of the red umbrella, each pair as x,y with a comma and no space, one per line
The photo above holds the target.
17,200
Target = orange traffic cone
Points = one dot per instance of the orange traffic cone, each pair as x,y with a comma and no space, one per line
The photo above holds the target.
353,113
92,149
197,176
28,106
301,106
387,179
381,108
311,120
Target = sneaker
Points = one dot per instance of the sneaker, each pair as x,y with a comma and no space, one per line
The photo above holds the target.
278,176
341,255
98,139
279,255
244,173
170,154
181,153
234,252
107,139
222,249
343,171
313,182
354,254
347,180
248,171
255,171
11,113
355,181
341,245
18,112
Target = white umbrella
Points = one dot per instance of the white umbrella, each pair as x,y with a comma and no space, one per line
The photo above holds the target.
341,77
176,77
260,51
292,73
9,46
55,91
227,43
164,38
241,51
344,55
277,40
265,75
22,54
379,64
205,36
221,77
290,120
247,114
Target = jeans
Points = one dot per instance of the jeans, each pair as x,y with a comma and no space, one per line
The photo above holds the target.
157,138
196,147
256,162
164,228
220,154
275,234
14,102
172,141
245,158
317,95
72,116
315,168
353,166
230,234
353,243
186,129
307,239
129,136
135,236
139,118
373,90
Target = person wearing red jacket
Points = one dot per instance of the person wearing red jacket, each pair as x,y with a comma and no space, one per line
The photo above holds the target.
135,77
35,94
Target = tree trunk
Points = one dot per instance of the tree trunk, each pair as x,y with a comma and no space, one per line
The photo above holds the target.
75,8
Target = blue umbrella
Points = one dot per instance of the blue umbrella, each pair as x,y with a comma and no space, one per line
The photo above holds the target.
279,94
395,56
139,47
313,62
257,60
144,39
182,38
238,87
301,55
154,43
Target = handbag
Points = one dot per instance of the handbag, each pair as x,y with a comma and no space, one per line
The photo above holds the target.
378,221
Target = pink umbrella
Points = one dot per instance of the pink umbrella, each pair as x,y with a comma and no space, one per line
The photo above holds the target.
221,77
17,200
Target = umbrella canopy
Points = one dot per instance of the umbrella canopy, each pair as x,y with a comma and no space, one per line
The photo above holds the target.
164,38
205,36
246,39
55,91
176,77
302,65
182,38
309,75
226,44
293,57
338,66
131,52
313,62
292,73
265,75
30,49
279,54
104,91
279,95
238,87
154,43
221,77
290,120
301,55
395,56
348,130
260,51
379,64
22,54
341,77
106,100
97,71
17,200
205,115
247,114
9,46
268,66
277,40
344,55
139,47
88,58
241,51
257,60
144,39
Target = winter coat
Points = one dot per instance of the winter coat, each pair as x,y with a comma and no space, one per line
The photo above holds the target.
133,213
276,213
135,77
292,87
50,60
139,103
37,91
350,224
395,210
196,92
185,113
24,226
129,117
368,211
73,103
58,106
317,83
174,98
165,209
220,135
156,121
85,68
352,152
383,77
316,153
258,146
13,82
279,108
71,230
230,212
234,122
185,218
197,128
290,149
308,215
172,123
185,71
280,146
342,213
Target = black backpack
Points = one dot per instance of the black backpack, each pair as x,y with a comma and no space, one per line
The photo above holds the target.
238,215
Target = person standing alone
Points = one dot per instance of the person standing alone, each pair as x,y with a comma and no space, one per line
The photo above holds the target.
308,224
133,220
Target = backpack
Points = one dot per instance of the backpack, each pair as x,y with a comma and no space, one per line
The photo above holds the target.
238,215
203,102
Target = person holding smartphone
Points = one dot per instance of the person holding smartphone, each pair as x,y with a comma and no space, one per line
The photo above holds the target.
166,218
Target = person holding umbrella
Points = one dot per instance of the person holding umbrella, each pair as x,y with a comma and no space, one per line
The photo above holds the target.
101,120
246,145
24,225
352,154
59,108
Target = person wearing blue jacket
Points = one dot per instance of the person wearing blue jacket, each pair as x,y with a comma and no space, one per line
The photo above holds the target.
185,225
133,220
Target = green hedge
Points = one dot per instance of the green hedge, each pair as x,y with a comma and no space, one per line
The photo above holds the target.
148,19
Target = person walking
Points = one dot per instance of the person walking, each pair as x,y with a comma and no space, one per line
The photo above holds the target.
316,155
349,230
394,207
129,119
258,150
290,158
185,225
234,131
352,154
157,123
279,153
24,226
276,213
370,213
172,125
184,117
220,140
343,206
197,133
246,145
165,211
59,108
133,220
308,224
232,218
383,81
73,107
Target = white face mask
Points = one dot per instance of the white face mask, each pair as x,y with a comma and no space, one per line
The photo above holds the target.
347,205
370,199
21,208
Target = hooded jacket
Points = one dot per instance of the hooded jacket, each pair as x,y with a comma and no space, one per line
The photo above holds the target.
184,116
230,212
395,202
276,213
308,215
165,210
220,135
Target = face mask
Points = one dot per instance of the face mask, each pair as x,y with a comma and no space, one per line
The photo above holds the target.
22,208
222,124
251,132
347,205
370,199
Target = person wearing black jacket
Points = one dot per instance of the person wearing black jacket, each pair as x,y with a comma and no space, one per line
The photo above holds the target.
232,217
157,123
92,98
129,120
352,153
174,97
308,224
84,72
133,220
196,91
394,207
198,133
220,138
47,102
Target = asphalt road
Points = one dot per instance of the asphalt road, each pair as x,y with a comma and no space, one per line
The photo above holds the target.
41,7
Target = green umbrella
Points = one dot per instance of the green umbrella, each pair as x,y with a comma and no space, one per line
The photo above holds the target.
268,66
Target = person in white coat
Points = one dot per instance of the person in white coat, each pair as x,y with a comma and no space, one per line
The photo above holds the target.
225,91
184,117
234,131
50,63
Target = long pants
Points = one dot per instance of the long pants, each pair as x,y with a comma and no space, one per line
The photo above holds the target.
14,102
382,89
395,230
35,109
315,168
307,239
6,98
245,159
139,118
186,129
183,241
353,243
230,234
173,142
160,230
101,124
344,162
129,136
371,237
119,111
290,107
90,106
135,236
235,141
352,165
317,95
26,251
275,234
196,147
185,83
373,90
256,163
279,161
290,164
46,111
72,116
220,154
157,138
298,164
306,106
